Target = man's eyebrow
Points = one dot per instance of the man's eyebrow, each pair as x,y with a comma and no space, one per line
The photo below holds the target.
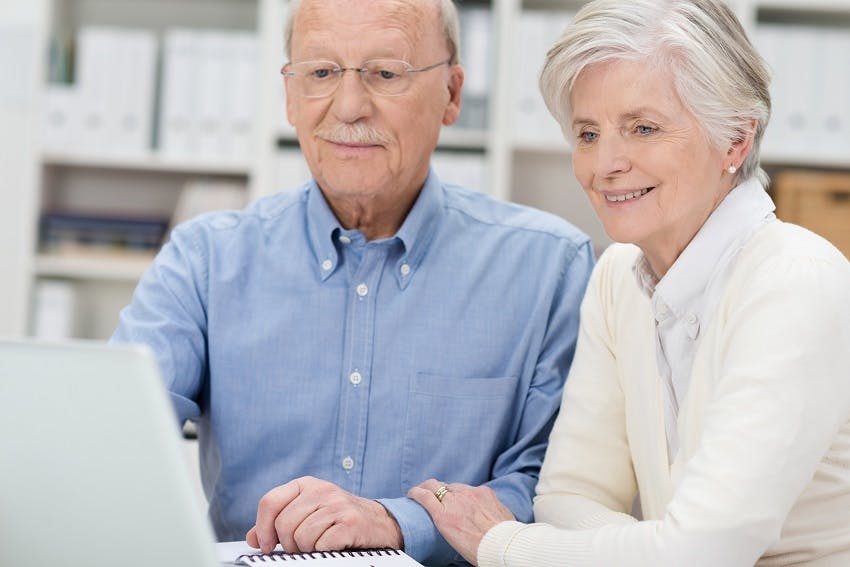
578,122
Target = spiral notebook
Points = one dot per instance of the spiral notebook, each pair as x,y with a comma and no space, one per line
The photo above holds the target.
361,558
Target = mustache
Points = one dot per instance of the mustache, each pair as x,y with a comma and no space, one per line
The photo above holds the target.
357,133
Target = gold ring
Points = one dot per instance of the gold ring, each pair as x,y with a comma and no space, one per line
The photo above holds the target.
440,493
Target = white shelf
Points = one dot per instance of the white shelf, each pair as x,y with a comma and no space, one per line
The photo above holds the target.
103,266
460,138
286,134
837,161
146,162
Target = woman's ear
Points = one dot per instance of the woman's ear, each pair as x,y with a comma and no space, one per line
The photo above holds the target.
741,148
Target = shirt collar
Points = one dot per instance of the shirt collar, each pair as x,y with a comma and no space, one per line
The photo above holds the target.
416,232
741,211
322,226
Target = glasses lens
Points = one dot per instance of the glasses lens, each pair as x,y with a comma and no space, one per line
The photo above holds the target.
316,78
387,76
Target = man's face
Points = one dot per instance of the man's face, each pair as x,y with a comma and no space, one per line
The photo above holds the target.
359,144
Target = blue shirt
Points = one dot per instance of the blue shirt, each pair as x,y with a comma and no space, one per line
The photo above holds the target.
303,349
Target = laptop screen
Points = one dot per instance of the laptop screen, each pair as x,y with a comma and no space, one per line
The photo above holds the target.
91,469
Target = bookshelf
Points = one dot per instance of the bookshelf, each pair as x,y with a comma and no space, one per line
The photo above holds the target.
522,160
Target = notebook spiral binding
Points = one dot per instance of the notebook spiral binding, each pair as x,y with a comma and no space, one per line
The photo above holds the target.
281,557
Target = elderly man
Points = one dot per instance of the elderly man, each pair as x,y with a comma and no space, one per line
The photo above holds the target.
341,344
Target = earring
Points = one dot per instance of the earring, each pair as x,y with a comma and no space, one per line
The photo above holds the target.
732,169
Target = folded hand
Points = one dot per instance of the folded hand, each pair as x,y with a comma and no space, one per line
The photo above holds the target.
308,514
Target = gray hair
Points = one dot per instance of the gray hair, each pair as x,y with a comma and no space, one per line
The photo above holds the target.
448,18
717,73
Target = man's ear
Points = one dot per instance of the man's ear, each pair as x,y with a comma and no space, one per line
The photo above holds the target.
455,86
290,104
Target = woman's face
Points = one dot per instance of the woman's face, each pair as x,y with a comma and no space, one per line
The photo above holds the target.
648,169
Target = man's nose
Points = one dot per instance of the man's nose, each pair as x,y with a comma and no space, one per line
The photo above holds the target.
352,100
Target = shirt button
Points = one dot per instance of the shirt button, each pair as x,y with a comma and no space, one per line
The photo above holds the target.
362,290
405,269
344,239
355,378
348,463
327,265
691,319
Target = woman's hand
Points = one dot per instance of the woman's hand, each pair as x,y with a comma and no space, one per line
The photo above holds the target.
463,515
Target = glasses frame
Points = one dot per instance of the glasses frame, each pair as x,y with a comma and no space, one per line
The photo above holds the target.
339,71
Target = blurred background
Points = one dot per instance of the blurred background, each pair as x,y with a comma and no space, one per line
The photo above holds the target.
120,118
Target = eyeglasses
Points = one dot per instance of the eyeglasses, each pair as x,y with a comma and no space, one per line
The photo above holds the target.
385,77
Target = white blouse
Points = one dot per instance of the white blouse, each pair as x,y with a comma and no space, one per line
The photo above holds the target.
684,299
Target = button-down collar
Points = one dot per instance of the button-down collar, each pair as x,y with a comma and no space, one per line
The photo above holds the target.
415,234
418,228
322,225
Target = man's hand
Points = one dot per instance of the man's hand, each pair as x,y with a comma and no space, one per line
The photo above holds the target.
308,514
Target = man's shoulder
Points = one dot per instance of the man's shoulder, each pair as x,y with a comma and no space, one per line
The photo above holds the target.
258,213
485,210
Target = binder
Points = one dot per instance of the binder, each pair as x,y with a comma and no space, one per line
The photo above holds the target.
62,117
538,30
476,26
177,126
115,82
241,106
768,41
831,107
213,82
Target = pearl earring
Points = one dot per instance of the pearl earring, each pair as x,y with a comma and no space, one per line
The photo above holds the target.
732,169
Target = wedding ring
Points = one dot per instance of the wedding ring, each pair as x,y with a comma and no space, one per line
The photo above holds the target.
440,493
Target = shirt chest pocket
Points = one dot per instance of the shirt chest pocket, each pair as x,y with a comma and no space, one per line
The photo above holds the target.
456,427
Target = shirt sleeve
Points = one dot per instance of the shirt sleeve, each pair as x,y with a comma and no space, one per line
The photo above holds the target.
168,314
516,469
780,397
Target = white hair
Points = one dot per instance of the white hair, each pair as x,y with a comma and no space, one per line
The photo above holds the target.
717,73
448,19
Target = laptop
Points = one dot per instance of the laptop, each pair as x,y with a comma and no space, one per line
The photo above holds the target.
91,468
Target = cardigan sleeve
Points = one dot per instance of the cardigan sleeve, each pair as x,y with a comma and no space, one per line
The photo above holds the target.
781,394
587,478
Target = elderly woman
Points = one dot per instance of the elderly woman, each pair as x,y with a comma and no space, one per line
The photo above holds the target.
712,374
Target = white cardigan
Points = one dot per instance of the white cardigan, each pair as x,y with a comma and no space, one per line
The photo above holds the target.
763,472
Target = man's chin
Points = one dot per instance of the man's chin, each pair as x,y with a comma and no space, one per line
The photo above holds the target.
345,184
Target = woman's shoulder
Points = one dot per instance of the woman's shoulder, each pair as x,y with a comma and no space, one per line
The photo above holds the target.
784,256
781,243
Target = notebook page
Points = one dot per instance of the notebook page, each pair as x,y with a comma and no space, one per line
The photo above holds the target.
366,558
